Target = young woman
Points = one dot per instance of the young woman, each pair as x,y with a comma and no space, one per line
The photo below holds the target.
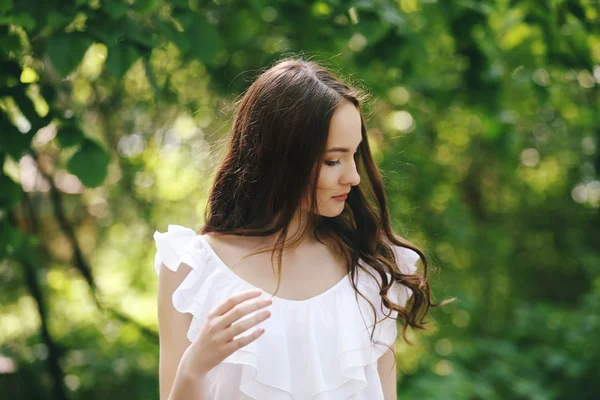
298,181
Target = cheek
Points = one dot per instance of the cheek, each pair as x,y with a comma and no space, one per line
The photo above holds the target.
327,183
327,186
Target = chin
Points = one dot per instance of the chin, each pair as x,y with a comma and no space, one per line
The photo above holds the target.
332,213
328,210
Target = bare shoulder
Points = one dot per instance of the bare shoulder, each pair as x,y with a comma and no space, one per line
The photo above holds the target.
169,279
227,243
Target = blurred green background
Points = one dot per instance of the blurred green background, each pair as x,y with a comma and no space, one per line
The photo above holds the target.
484,120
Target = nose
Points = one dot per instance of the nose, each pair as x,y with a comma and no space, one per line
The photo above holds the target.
351,176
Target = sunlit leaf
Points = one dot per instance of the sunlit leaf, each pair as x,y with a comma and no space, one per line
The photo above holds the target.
66,50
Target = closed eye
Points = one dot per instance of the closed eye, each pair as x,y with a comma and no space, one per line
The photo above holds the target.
336,162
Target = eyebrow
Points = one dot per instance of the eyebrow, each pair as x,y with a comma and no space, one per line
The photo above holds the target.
341,149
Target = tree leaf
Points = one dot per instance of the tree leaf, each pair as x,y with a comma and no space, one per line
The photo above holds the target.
56,20
13,142
89,164
66,51
22,19
9,43
10,238
104,34
114,8
205,40
27,108
137,34
10,194
372,28
48,92
147,6
167,31
120,58
69,135
6,5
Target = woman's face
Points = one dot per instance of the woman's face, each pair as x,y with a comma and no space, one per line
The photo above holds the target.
338,172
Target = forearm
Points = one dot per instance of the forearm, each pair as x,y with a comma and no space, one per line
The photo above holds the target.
188,386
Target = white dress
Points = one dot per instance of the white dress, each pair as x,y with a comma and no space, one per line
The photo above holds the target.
317,349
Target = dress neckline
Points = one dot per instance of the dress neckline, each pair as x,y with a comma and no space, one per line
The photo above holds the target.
229,271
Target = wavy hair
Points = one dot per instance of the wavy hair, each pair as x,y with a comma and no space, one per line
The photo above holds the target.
274,154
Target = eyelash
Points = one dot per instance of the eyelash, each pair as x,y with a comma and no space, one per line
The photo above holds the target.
336,162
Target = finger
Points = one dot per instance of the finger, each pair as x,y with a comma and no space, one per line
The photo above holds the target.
233,301
240,311
237,329
244,340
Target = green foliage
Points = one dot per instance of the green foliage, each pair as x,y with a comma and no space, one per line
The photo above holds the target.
11,193
66,51
89,154
201,41
69,135
13,143
120,58
484,123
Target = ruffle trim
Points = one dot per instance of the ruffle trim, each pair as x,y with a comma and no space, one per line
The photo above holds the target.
331,336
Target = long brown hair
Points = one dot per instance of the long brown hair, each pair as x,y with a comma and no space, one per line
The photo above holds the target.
274,154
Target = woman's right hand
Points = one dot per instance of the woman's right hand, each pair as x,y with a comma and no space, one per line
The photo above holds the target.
215,341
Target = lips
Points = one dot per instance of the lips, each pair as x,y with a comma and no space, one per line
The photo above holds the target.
342,195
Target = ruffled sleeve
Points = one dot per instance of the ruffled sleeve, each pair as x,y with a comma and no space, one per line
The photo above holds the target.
183,245
206,285
171,245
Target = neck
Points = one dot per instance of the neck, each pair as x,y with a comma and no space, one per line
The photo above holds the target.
298,232
299,229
